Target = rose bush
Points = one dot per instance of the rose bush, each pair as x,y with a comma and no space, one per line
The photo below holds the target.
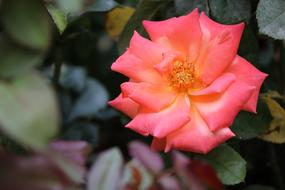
187,83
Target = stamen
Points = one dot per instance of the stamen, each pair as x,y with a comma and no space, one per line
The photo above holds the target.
183,75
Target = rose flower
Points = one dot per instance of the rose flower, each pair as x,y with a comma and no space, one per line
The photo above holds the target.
187,83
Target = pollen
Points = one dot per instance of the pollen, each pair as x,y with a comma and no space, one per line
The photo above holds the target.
183,75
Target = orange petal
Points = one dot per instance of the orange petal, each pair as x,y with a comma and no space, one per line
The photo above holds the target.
162,123
218,49
125,105
181,33
220,110
134,68
152,97
218,86
196,136
247,73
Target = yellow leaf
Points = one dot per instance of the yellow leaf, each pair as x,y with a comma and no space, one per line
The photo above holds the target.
273,94
276,131
117,19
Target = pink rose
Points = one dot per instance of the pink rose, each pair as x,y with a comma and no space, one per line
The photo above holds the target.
187,83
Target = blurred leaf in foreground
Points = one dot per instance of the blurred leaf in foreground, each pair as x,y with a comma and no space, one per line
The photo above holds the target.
42,171
149,158
27,22
106,171
195,174
16,60
276,131
28,111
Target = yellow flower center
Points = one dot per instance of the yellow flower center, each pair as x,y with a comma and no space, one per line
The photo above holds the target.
183,76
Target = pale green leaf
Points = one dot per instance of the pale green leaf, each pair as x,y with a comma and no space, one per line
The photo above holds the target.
28,111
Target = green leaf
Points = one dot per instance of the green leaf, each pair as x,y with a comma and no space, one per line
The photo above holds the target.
249,125
70,6
106,172
229,165
230,11
103,5
93,99
27,22
16,60
59,18
185,6
249,48
271,18
86,131
28,111
145,10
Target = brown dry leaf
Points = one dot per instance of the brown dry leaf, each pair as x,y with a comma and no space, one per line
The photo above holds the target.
276,131
116,20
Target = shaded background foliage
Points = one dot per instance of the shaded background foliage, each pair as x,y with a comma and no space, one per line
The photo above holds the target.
55,81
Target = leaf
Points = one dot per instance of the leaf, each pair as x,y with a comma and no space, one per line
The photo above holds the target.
185,6
28,111
145,10
70,6
93,98
136,176
274,94
250,125
196,174
117,19
59,18
150,159
276,131
229,165
83,131
74,78
106,171
16,60
76,151
249,48
103,5
270,18
230,11
27,22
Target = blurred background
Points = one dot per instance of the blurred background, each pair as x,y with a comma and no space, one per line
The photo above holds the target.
57,131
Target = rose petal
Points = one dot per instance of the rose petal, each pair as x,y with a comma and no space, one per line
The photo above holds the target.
125,105
162,123
153,97
220,110
134,68
196,136
149,52
218,48
181,33
247,73
218,86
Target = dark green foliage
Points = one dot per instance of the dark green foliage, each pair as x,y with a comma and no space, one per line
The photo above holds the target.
55,82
